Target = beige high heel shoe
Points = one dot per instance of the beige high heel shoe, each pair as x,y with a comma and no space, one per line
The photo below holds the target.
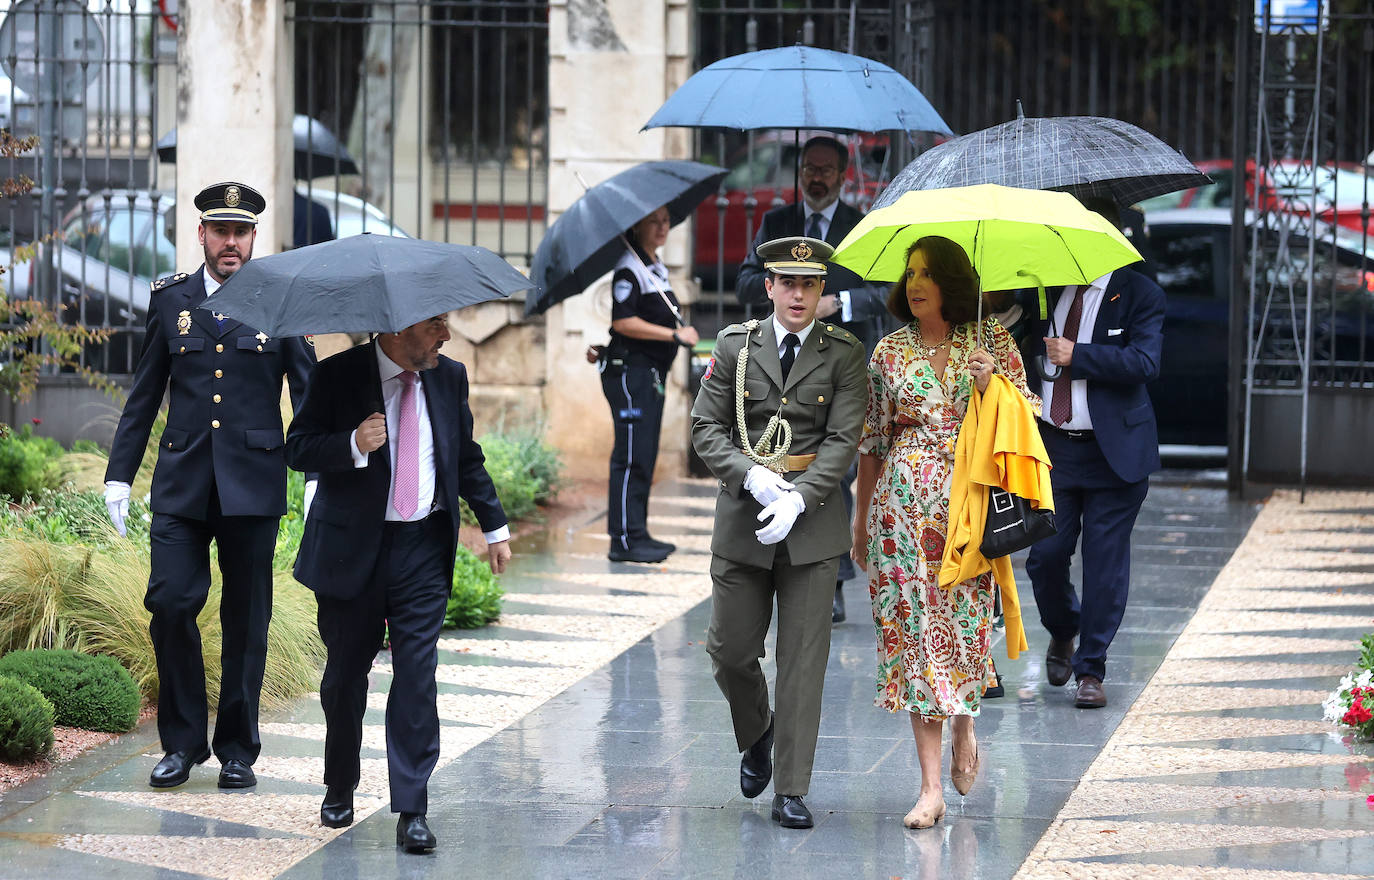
924,818
963,779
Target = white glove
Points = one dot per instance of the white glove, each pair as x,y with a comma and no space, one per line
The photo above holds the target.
117,503
766,486
309,497
784,512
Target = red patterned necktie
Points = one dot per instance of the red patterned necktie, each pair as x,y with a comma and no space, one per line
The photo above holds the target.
1061,410
405,496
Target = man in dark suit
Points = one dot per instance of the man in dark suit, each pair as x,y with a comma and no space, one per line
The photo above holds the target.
856,306
1099,429
309,222
395,454
221,475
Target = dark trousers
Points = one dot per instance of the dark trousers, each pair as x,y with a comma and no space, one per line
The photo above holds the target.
1091,501
177,590
636,398
407,593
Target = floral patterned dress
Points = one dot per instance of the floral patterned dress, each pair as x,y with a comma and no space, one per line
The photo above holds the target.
933,644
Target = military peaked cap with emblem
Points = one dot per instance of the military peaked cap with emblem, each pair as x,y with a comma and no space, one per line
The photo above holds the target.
796,255
230,202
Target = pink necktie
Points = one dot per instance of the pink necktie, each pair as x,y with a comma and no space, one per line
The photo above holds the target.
405,496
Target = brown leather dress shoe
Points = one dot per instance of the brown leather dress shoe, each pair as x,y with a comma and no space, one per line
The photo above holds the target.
1090,693
1059,662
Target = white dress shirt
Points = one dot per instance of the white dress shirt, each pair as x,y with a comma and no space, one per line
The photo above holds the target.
391,401
827,214
781,331
1078,388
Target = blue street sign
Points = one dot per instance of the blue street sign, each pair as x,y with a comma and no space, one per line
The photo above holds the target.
1302,16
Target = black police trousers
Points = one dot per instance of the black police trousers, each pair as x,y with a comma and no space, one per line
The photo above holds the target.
635,394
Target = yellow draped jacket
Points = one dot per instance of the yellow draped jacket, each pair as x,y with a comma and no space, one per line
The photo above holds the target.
999,445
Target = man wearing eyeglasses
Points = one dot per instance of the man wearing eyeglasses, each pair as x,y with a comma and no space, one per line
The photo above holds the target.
854,305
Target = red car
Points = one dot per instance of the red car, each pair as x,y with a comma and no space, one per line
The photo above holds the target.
767,174
1287,187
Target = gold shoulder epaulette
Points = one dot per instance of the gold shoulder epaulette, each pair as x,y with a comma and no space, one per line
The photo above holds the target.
737,328
835,331
170,280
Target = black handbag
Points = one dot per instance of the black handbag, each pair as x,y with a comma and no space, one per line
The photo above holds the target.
1013,524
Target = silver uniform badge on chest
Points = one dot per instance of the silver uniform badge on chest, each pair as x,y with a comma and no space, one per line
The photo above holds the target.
184,323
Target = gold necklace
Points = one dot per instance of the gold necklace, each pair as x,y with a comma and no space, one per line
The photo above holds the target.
932,350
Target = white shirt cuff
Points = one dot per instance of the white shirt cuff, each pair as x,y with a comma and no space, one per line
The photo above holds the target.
497,534
359,458
846,311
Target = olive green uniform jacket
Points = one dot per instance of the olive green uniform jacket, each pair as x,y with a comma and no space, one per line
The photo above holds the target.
823,399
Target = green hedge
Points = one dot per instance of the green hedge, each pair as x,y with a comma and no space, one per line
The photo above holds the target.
29,464
26,720
476,597
87,691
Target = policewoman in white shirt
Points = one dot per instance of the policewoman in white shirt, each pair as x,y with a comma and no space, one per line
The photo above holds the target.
646,332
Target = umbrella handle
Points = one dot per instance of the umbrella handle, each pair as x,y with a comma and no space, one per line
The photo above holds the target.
1047,370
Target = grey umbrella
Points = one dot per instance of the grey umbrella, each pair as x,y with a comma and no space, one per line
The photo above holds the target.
1084,155
317,152
363,283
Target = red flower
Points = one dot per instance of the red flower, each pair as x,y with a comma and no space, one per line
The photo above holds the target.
36,420
889,547
1357,714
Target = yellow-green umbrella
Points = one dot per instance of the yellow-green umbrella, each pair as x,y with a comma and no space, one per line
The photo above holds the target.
1008,233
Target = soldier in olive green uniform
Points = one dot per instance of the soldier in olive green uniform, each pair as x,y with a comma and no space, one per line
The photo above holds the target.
799,385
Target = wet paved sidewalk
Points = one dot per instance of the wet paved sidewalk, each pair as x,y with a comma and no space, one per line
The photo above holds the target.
1216,758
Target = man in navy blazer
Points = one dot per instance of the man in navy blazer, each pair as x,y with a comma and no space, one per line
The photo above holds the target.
221,476
1099,430
388,428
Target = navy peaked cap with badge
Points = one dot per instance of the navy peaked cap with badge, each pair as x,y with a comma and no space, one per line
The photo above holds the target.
230,202
795,255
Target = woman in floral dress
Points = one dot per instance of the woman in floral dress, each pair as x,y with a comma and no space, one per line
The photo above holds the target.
933,644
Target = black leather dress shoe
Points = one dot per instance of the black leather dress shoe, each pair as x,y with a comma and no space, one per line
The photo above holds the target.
413,834
1090,693
337,809
236,774
175,768
756,764
636,553
791,812
1059,662
837,607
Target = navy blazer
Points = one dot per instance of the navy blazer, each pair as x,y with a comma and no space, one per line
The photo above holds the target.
1122,358
224,427
868,301
343,532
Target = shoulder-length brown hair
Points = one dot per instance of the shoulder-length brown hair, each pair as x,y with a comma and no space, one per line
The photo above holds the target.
950,268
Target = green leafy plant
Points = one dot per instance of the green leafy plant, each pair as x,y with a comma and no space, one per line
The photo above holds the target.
29,464
524,469
86,691
476,596
65,517
26,721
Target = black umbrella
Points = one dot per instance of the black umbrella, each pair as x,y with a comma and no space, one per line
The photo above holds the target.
588,239
317,151
1084,155
363,283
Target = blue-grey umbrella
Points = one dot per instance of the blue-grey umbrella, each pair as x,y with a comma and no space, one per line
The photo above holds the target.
1085,155
799,87
363,283
317,151
588,239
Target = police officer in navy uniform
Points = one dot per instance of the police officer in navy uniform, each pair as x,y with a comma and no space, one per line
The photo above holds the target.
645,337
220,475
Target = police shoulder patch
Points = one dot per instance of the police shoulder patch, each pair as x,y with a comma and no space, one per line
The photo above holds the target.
170,280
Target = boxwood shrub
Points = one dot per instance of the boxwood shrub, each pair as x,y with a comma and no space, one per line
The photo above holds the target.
476,596
26,720
86,691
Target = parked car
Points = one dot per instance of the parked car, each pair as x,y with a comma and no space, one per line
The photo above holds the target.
770,171
1285,187
1192,260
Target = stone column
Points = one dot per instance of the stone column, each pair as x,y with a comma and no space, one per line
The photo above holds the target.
612,63
234,108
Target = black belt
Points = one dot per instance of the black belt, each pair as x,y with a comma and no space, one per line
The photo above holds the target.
1072,435
434,511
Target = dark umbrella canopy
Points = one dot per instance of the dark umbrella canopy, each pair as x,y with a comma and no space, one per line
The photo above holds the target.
799,87
361,284
1084,155
317,151
586,241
